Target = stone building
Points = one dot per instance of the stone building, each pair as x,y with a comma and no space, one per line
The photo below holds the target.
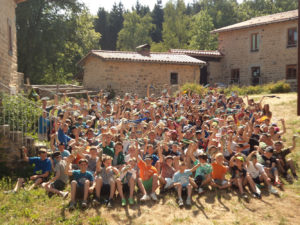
8,45
259,50
133,71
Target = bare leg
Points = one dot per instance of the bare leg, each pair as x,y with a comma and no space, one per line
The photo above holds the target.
112,189
141,186
98,187
48,188
179,190
73,190
251,183
291,165
189,190
86,190
162,182
19,184
154,182
36,183
120,189
131,187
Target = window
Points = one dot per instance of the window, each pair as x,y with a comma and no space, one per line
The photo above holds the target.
255,71
174,78
292,37
254,42
291,72
10,42
235,76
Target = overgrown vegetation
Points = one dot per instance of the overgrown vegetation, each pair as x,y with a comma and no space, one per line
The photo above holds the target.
270,88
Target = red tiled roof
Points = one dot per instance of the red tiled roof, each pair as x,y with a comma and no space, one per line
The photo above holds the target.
153,57
262,20
205,53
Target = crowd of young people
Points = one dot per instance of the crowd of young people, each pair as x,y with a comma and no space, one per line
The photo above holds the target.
137,148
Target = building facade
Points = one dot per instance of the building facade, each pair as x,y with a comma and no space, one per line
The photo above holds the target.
9,75
132,71
259,50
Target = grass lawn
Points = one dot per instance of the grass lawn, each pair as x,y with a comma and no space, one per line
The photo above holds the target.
213,207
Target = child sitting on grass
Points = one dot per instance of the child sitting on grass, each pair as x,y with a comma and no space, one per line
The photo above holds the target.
105,182
218,173
126,181
182,182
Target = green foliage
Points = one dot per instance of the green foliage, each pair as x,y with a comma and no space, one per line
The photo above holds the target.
52,37
157,18
136,31
278,87
109,24
193,88
20,113
176,25
201,26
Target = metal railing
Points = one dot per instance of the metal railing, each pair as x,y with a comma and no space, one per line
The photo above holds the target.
21,117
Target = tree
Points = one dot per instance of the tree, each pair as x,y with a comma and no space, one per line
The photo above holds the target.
157,18
102,27
52,36
175,25
116,20
140,9
201,26
136,31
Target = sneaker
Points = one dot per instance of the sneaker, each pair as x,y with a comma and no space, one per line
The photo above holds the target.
188,201
131,201
72,206
96,202
256,195
153,196
109,203
273,190
123,203
145,198
244,196
84,204
64,194
257,190
200,190
180,202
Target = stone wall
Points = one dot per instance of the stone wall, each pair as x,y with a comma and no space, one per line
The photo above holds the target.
8,59
272,57
134,77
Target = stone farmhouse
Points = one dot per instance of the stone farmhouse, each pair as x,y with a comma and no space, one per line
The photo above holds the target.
133,71
259,50
9,75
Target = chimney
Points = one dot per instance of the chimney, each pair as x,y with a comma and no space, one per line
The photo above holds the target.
143,49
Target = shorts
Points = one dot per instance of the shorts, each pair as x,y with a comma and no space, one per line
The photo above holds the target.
256,180
220,182
59,185
148,184
199,179
79,192
169,182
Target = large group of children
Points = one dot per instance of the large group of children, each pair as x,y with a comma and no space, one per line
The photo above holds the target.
145,147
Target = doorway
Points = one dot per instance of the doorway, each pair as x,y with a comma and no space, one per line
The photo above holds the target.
255,72
203,75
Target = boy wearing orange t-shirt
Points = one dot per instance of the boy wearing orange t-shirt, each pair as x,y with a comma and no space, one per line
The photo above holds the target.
218,173
148,178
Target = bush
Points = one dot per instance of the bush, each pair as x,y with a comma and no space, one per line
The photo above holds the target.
278,87
194,88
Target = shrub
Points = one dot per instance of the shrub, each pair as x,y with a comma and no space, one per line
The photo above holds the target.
279,87
194,88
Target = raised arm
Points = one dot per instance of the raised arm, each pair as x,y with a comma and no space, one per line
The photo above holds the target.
68,169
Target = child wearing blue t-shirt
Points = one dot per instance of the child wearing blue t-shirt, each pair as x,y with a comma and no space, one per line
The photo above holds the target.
83,182
181,181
